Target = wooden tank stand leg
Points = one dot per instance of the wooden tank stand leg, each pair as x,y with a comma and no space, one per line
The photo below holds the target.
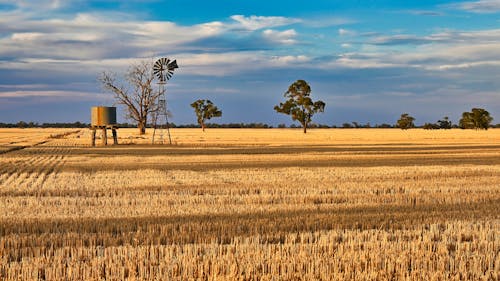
104,136
93,136
115,136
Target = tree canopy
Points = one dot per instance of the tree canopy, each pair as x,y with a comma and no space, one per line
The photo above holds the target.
477,119
205,110
299,104
405,122
445,123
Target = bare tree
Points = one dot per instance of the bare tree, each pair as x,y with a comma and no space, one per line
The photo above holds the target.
138,97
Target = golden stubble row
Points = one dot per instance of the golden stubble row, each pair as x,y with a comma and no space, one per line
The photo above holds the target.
184,192
256,137
74,213
456,250
26,137
280,137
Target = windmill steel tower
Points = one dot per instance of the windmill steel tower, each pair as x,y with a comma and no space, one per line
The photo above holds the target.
163,69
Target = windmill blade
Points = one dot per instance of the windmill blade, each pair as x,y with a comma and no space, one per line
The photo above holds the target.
160,76
158,66
158,70
163,69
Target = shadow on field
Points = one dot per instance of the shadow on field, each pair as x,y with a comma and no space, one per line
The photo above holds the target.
333,161
272,226
161,150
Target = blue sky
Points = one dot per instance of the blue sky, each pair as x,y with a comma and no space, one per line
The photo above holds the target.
369,61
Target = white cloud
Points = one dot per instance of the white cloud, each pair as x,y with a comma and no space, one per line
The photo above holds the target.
352,62
289,60
90,43
465,65
52,94
26,36
101,36
327,21
260,22
434,57
444,37
286,37
235,63
446,50
36,4
346,32
426,13
205,64
472,51
481,6
24,87
89,37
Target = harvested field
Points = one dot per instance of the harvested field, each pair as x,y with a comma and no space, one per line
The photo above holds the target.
250,204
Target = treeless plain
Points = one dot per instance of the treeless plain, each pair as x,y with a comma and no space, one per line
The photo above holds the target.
251,204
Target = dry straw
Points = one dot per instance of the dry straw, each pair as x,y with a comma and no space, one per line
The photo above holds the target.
253,205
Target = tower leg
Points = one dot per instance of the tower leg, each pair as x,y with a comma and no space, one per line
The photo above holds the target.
93,136
154,127
115,136
104,137
168,127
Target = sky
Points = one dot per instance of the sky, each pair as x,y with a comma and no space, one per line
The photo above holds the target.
368,60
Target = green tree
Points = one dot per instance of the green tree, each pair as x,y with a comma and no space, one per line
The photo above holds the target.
299,104
405,122
21,124
445,123
477,119
430,126
205,110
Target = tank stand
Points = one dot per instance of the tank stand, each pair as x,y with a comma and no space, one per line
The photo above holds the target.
104,134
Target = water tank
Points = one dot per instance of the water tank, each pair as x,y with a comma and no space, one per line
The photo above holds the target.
103,115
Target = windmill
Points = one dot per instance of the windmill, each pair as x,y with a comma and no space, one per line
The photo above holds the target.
163,69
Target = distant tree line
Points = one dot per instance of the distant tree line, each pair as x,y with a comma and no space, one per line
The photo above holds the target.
78,124
352,125
23,124
477,118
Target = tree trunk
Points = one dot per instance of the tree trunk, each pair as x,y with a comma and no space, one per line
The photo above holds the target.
142,127
203,127
142,130
305,127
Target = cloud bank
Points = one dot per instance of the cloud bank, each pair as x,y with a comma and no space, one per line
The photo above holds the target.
251,59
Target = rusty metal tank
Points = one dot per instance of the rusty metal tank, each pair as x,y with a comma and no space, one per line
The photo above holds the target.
103,116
